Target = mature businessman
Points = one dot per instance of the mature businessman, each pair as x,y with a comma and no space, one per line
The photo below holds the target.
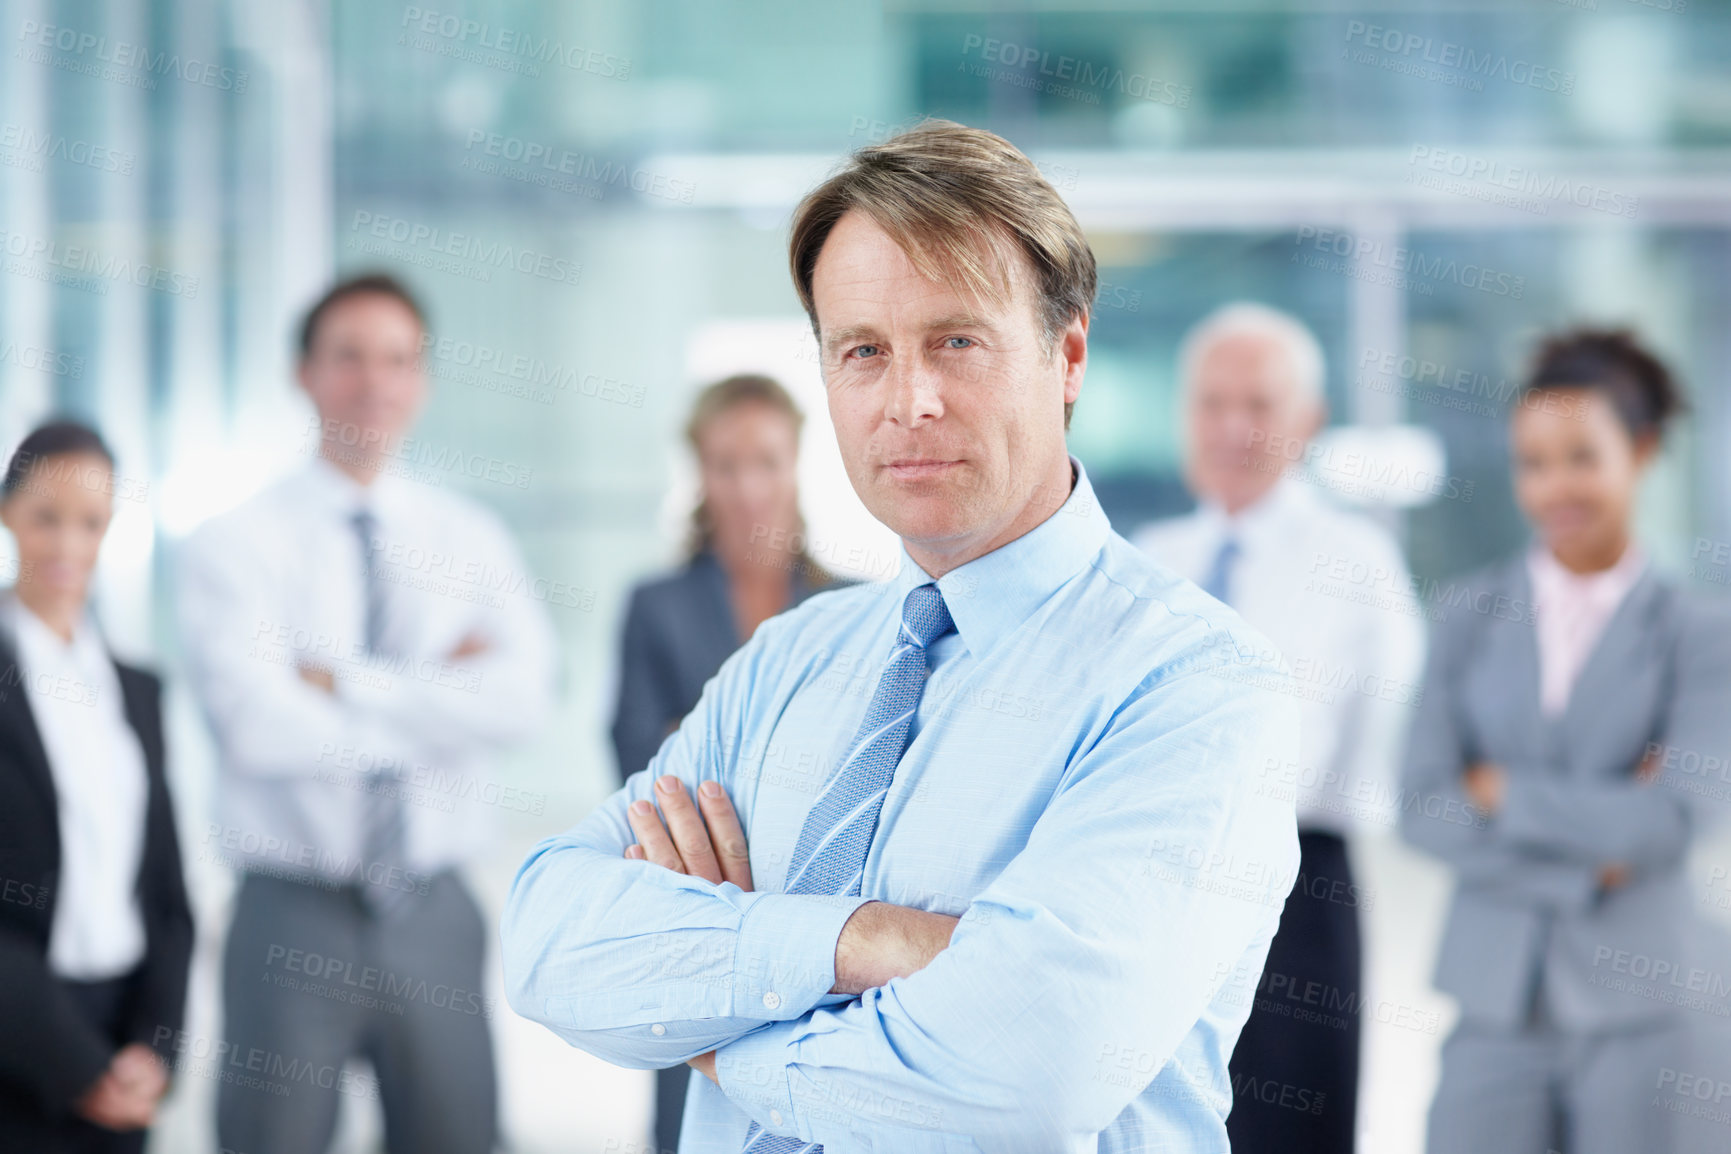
977,858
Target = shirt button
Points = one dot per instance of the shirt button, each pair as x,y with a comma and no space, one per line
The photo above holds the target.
658,1029
775,1117
772,1000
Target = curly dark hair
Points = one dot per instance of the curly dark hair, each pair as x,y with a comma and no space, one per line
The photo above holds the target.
1614,363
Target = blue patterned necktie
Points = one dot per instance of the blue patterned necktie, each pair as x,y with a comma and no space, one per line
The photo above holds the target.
1218,583
829,857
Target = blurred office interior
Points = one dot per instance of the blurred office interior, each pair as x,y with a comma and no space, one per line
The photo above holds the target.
221,161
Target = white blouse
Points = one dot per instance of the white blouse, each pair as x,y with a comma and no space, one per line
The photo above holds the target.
102,791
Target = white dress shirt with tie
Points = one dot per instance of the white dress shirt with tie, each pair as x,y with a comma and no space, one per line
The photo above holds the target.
282,581
1332,592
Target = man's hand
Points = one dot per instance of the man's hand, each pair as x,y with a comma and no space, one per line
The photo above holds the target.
704,1064
318,676
882,941
125,1096
1485,786
469,646
709,844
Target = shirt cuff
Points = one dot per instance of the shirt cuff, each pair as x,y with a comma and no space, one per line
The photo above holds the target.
753,1072
784,954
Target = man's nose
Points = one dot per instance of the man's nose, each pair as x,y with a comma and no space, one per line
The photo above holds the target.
913,391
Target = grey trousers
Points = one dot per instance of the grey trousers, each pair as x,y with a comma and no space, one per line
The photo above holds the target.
311,978
1540,1091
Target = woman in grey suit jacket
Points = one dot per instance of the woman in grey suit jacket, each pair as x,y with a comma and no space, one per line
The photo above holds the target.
748,562
1570,703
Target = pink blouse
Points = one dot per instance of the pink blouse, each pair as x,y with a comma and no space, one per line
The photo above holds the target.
1572,611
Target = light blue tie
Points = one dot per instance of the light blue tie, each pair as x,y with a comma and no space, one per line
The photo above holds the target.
829,857
1218,584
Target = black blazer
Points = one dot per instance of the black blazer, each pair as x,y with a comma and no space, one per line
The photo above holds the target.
678,630
49,1052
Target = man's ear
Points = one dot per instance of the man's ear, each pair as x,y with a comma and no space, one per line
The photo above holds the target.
1646,448
1073,352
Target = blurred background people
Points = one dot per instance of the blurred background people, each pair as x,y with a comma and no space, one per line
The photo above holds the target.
364,644
589,207
1553,723
748,561
1330,589
95,930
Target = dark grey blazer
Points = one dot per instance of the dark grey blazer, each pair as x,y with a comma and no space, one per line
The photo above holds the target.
1528,907
678,630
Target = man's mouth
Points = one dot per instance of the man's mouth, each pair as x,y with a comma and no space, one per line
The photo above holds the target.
918,468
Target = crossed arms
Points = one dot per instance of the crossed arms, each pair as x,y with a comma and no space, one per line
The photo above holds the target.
1552,843
824,1017
879,941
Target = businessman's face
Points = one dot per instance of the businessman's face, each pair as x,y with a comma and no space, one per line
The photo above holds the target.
364,374
59,516
1576,469
1246,418
949,410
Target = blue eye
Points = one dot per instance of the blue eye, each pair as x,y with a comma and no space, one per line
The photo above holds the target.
968,341
865,350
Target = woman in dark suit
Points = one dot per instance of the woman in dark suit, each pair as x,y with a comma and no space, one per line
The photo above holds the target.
95,931
1556,765
747,563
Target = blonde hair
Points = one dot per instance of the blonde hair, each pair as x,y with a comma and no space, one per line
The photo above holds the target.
723,397
940,189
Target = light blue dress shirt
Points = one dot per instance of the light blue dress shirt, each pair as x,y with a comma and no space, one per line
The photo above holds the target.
1085,785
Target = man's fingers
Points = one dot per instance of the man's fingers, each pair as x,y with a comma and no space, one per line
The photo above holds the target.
685,824
652,836
706,842
725,834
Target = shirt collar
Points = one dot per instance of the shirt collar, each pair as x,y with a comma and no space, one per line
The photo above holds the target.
1268,515
31,632
1552,578
993,594
326,484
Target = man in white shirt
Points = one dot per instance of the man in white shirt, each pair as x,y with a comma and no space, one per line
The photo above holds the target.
1331,591
366,645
